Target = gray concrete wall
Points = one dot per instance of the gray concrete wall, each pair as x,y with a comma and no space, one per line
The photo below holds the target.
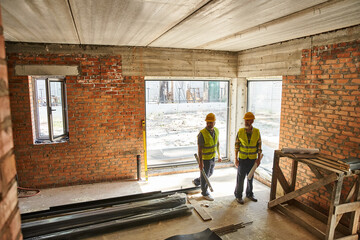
284,58
143,61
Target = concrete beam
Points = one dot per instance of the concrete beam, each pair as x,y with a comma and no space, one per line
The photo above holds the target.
21,70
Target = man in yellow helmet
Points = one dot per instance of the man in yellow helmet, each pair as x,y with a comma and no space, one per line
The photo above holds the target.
247,152
208,145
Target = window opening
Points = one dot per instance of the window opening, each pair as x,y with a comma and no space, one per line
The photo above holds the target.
175,113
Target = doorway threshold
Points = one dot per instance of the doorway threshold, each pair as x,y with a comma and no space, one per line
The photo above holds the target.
168,169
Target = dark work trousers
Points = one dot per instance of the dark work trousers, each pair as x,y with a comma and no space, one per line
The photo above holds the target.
244,168
208,169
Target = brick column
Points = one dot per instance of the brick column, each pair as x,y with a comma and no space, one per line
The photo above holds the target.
10,222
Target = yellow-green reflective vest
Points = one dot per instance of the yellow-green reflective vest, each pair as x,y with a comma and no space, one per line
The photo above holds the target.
210,146
248,150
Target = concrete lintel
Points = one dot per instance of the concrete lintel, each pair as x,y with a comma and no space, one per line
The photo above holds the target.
21,70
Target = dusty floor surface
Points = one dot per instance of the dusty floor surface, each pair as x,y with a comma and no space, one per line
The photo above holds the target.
267,224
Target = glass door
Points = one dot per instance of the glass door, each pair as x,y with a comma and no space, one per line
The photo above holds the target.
264,100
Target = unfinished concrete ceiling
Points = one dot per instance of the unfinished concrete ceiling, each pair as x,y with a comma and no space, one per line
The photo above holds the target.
230,25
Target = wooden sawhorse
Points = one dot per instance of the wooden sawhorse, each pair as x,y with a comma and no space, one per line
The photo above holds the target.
337,209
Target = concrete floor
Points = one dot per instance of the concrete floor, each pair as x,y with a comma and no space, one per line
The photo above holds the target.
267,224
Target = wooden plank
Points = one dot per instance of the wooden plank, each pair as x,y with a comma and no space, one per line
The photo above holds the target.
354,218
355,222
200,210
294,168
281,154
357,189
331,165
280,176
318,215
318,233
328,157
319,176
334,160
309,210
301,191
334,201
321,166
339,163
305,155
351,193
274,178
338,217
347,207
351,237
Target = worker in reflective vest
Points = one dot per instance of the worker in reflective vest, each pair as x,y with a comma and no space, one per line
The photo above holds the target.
247,152
208,146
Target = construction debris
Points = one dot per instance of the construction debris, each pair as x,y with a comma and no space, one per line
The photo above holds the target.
208,234
200,210
73,207
230,228
80,222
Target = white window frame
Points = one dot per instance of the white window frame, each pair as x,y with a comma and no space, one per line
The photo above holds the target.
51,138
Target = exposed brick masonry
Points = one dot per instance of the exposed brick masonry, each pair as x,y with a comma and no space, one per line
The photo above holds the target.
105,111
9,211
320,109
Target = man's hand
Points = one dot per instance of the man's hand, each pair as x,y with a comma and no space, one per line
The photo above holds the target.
259,159
236,162
219,159
201,165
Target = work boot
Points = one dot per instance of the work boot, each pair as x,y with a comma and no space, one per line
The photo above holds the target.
208,197
240,200
252,198
195,183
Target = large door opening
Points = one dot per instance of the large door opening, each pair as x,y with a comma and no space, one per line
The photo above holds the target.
175,113
264,100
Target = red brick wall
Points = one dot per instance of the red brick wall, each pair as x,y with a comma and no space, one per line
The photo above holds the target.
320,109
9,211
105,111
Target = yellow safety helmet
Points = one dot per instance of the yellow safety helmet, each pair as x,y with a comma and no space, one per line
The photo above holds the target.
210,117
249,116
